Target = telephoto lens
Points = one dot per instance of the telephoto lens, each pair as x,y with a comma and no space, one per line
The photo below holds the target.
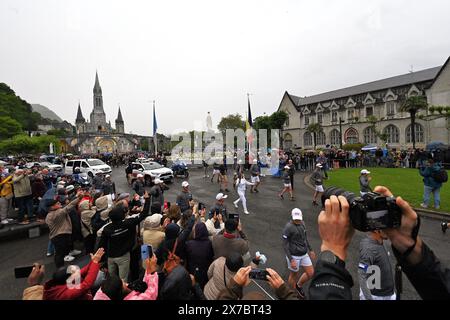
370,212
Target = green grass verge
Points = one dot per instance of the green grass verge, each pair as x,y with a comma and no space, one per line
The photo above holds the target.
402,182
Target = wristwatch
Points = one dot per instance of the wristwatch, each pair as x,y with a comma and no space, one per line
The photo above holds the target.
330,257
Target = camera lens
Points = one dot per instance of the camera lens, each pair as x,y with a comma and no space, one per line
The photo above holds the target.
335,191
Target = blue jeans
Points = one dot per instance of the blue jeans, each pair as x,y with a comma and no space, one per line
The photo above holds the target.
436,194
25,205
51,248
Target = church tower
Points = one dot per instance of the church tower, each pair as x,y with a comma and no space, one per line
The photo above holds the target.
120,126
80,122
98,117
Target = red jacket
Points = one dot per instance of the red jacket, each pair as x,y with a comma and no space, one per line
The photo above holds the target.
82,292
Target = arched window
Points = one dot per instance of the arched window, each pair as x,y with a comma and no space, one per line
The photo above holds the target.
393,135
321,139
351,136
335,137
287,143
307,139
369,135
419,133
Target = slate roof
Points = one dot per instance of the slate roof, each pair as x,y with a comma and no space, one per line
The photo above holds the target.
397,81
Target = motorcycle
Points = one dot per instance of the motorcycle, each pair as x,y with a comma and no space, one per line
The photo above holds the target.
82,180
180,169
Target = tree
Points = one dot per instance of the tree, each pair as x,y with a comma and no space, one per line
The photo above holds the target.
314,128
232,121
278,119
60,133
413,105
9,127
14,107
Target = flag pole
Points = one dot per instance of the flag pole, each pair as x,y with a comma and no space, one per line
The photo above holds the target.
155,128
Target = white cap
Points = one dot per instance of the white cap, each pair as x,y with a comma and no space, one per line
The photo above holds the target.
108,176
185,184
364,171
140,175
319,165
239,161
255,161
287,167
158,181
297,214
221,196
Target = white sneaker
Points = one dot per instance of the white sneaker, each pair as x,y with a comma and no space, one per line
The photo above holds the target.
236,205
74,253
246,212
69,258
48,254
423,205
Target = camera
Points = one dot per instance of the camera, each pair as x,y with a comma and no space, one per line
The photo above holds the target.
370,212
258,274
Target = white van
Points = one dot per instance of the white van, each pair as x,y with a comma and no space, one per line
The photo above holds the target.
90,166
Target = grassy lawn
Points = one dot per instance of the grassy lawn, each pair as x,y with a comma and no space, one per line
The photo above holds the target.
402,182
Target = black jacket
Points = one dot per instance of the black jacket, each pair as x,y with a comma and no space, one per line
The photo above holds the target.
430,279
118,238
177,285
199,254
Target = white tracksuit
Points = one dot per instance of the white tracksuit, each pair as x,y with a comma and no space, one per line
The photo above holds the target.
241,187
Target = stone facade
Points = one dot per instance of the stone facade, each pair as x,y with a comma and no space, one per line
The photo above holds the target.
97,135
381,99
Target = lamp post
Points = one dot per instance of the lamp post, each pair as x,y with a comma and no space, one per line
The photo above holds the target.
340,131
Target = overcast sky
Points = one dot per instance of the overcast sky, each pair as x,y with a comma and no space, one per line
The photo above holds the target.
195,56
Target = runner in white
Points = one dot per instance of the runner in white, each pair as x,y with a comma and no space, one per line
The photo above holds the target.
241,185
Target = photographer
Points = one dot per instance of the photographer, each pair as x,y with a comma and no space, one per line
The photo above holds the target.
241,279
418,262
184,197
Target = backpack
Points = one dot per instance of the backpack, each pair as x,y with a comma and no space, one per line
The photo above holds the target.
440,176
172,261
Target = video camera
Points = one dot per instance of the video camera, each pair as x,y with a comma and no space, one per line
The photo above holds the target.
370,212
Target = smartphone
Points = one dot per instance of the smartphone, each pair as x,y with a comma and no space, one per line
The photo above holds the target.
201,206
22,272
146,252
258,274
234,216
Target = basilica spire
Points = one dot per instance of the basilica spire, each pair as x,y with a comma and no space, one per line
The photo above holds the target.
80,117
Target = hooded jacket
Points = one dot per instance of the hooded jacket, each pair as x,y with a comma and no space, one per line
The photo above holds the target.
178,286
427,174
199,254
86,218
22,186
88,274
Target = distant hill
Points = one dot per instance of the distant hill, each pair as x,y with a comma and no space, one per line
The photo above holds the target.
46,112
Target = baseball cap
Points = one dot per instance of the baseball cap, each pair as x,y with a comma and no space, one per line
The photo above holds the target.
158,181
70,188
319,165
364,171
297,214
287,167
221,196
255,161
108,176
185,184
140,175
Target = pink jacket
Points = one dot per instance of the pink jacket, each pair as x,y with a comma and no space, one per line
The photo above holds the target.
150,294
152,289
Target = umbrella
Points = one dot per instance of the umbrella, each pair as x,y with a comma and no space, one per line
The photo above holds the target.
436,145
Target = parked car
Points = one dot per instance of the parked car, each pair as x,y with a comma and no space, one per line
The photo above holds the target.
51,166
152,170
30,165
89,166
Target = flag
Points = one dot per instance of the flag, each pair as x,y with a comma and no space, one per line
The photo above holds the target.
155,128
249,127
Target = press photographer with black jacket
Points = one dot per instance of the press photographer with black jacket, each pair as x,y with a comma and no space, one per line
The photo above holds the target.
423,269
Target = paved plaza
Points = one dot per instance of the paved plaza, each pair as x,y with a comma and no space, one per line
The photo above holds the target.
263,227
